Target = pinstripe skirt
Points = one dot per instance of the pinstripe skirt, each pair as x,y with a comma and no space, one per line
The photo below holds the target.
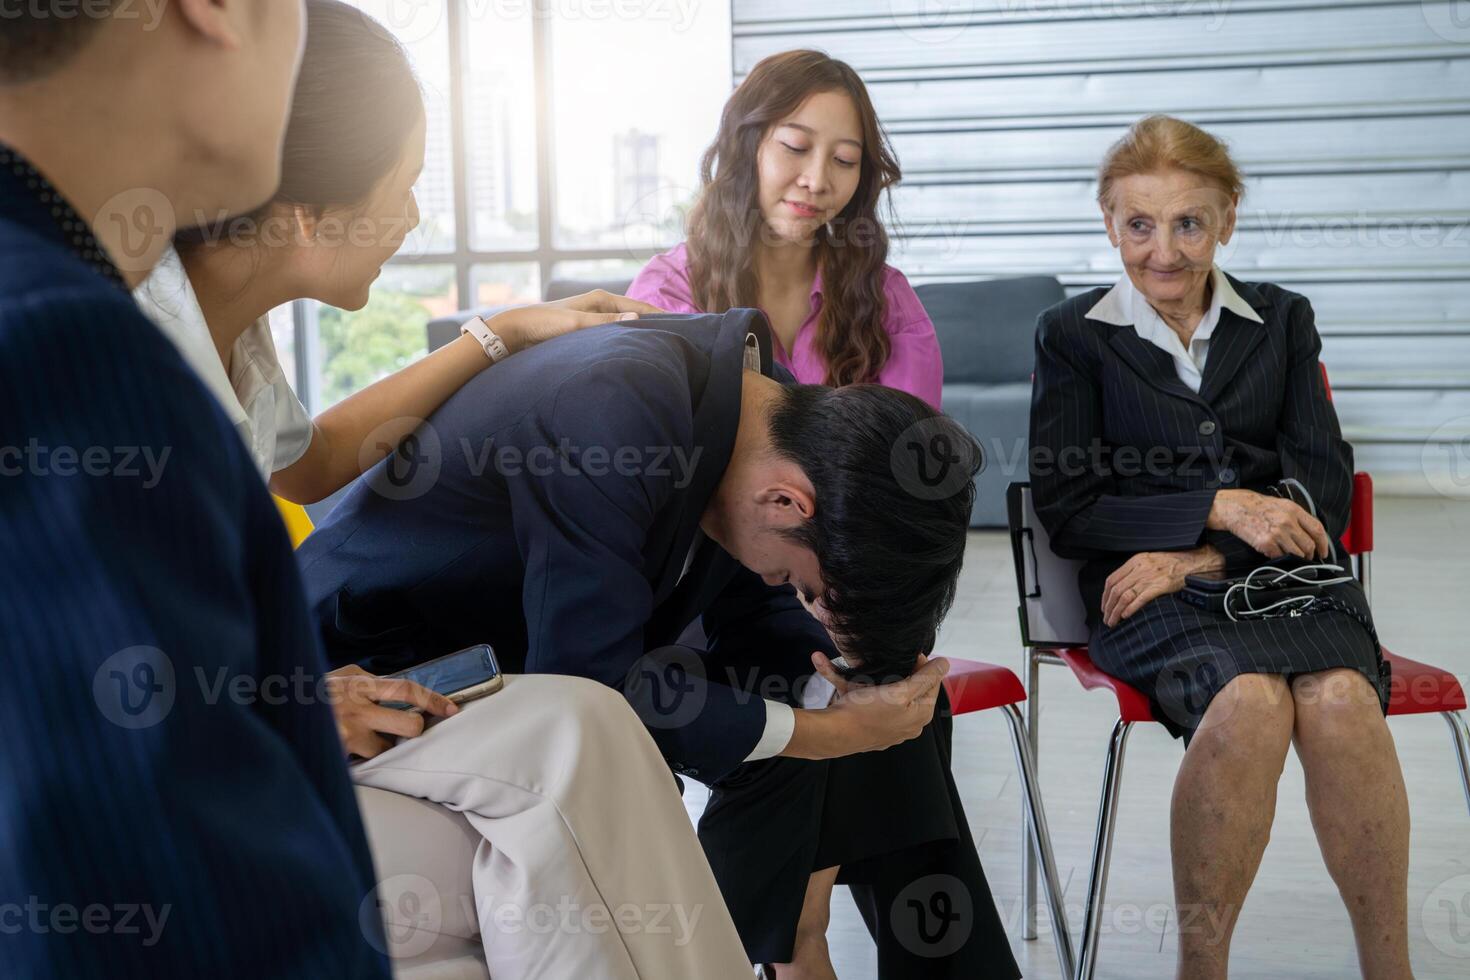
1181,656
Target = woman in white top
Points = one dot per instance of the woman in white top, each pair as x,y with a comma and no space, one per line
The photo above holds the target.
550,772
353,151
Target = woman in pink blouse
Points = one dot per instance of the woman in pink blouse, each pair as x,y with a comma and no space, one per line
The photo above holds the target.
787,222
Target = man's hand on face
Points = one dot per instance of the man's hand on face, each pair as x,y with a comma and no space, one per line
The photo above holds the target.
868,717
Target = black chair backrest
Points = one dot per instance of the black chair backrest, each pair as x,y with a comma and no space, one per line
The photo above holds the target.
1046,586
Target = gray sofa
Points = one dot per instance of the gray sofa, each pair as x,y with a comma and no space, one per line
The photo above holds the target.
986,330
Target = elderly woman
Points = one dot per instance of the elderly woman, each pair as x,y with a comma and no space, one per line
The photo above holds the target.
1162,409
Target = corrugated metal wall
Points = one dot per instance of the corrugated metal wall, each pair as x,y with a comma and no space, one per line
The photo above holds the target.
1351,121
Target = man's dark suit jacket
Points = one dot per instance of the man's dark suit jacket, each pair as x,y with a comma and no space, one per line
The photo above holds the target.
544,509
1153,453
132,598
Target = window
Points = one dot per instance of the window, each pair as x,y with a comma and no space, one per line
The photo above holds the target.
629,130
504,284
554,149
500,131
366,345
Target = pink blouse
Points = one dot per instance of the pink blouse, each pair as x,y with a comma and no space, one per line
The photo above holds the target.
914,362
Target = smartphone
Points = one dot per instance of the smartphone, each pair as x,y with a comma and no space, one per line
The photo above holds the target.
1209,582
461,677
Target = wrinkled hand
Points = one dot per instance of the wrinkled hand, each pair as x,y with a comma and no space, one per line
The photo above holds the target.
884,715
526,326
1274,526
1150,574
354,695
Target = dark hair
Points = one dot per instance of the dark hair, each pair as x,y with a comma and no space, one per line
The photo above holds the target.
894,484
35,43
850,335
356,102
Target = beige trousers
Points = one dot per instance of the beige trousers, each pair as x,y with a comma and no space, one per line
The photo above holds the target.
559,840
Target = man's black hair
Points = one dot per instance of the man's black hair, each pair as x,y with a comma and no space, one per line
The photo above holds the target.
36,40
894,485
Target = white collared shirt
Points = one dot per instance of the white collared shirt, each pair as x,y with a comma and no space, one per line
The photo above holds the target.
1124,306
254,393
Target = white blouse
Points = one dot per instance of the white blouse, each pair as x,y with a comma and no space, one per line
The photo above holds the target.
1125,306
255,394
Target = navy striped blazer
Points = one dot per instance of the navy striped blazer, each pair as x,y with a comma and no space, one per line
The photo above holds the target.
174,800
1126,458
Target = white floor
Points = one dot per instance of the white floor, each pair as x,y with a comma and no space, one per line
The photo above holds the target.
1293,924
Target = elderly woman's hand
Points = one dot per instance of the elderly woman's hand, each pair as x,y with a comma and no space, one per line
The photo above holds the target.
1274,526
1150,574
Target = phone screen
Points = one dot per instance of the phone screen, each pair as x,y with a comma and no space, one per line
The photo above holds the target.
1208,582
448,675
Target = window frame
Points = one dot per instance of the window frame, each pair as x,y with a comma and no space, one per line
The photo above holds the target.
545,255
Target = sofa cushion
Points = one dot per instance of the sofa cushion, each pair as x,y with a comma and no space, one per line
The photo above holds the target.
987,328
998,416
562,288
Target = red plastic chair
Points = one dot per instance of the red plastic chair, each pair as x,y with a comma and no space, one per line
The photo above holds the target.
1053,630
976,686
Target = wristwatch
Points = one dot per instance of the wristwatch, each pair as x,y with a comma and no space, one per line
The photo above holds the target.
495,348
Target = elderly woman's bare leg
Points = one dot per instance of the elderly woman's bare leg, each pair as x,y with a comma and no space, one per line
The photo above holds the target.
1355,792
1224,802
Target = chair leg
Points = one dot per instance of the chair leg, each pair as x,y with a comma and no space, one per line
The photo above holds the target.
1036,825
1028,866
1460,732
1102,849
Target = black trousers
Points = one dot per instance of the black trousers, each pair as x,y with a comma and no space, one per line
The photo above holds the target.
894,824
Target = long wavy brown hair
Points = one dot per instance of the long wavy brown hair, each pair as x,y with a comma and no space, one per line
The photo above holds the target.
851,249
